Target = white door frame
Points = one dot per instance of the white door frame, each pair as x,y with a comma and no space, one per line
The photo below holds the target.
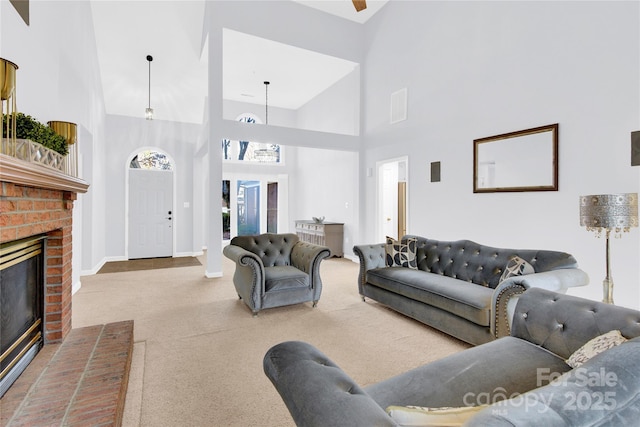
176,218
283,198
402,163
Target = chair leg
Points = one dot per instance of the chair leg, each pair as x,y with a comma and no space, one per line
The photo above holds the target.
363,300
239,297
315,303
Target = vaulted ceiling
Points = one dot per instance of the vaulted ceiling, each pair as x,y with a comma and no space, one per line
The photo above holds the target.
171,32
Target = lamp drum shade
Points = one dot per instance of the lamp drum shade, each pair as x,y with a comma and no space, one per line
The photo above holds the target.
609,211
7,78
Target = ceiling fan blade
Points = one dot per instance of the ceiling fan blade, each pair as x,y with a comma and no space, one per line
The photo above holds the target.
360,4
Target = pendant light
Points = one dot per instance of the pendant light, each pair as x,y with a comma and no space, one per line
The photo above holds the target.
148,113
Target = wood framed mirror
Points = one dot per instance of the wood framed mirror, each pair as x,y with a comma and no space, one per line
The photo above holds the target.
526,160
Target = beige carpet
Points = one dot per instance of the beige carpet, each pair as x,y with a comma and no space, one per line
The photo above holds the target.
198,350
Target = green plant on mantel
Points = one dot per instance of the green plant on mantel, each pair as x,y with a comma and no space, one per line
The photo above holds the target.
29,128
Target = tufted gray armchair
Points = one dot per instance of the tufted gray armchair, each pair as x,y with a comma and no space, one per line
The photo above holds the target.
273,270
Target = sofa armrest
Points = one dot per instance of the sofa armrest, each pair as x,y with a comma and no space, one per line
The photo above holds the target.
249,275
507,293
371,256
316,391
307,256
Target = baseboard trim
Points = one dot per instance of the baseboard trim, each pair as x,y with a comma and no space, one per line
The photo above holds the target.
353,258
76,287
213,275
187,254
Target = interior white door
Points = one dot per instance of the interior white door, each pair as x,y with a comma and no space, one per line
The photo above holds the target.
389,200
150,213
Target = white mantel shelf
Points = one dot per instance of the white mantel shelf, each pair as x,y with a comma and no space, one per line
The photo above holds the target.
20,172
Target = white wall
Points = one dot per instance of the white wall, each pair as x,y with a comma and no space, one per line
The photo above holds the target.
325,184
335,110
59,79
476,69
125,136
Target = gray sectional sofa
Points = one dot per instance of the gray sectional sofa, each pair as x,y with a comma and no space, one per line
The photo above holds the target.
512,374
457,285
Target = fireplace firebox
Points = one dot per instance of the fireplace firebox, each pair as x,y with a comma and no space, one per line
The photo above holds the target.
21,306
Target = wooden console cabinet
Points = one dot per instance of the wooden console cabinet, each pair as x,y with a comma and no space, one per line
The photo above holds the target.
329,234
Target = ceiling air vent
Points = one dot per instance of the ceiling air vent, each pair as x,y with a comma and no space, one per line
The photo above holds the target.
399,106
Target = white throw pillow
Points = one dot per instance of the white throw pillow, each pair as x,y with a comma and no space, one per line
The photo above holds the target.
594,347
516,267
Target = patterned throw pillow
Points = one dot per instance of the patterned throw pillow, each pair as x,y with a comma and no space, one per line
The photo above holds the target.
401,253
421,416
594,347
516,267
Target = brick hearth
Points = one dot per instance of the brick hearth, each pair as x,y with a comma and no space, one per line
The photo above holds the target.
80,376
81,382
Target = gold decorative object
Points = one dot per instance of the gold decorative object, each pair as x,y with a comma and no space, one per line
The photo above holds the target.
607,213
8,94
69,131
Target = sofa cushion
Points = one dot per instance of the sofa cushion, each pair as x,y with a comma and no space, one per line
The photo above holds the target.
284,277
464,299
477,376
401,253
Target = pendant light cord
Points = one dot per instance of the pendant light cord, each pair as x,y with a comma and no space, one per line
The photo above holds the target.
149,58
266,102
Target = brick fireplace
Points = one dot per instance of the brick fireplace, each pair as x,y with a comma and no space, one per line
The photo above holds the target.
38,201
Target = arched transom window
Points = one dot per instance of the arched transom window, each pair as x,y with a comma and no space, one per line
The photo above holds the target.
249,151
151,159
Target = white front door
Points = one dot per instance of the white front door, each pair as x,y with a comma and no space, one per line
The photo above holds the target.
150,213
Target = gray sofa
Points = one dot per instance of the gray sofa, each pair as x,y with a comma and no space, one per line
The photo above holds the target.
511,373
273,270
456,287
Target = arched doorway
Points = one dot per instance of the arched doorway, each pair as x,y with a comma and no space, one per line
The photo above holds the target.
150,206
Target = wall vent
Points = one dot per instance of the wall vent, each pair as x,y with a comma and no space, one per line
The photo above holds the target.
399,106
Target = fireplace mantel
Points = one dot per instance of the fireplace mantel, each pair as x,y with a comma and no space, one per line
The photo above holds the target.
37,200
20,172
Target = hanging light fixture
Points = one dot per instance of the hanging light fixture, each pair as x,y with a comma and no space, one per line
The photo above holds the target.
148,113
266,102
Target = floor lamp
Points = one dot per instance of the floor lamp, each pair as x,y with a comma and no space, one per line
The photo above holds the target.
608,213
